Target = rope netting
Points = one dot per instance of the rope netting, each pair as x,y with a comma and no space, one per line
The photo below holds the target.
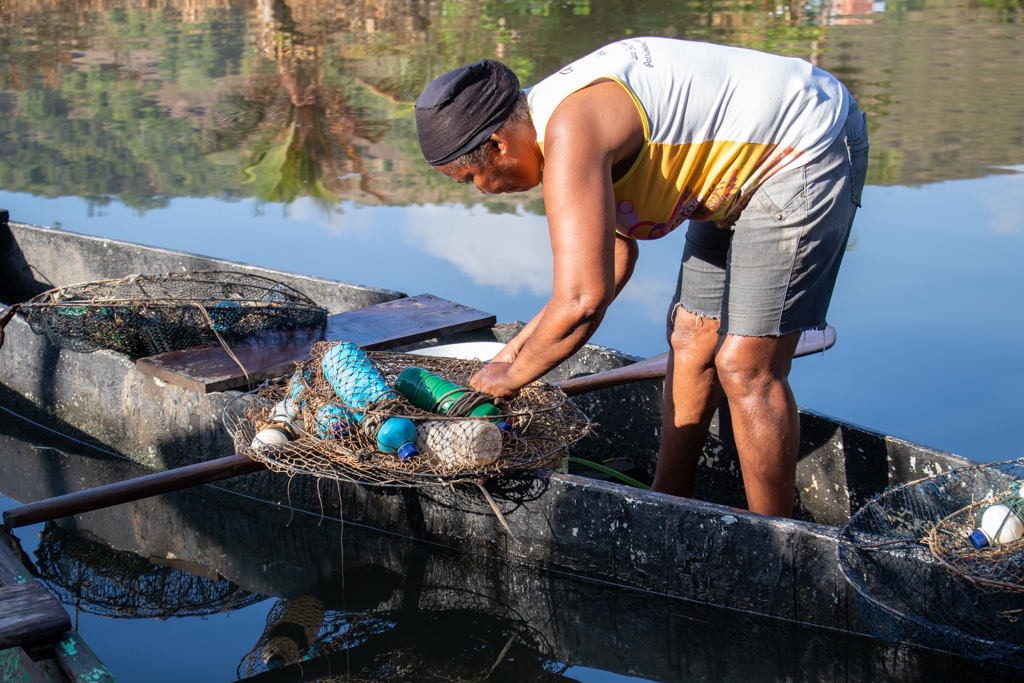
399,420
918,576
95,578
391,645
145,315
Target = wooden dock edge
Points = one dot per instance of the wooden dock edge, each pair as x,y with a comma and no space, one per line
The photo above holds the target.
78,662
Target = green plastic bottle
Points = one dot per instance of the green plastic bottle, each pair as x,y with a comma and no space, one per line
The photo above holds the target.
424,389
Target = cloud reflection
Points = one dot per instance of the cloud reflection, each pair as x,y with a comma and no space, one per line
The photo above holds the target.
509,251
1004,197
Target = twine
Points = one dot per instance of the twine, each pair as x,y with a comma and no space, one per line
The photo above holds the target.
546,424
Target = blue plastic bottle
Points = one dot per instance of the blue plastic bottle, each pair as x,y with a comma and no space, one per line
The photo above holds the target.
359,385
296,392
332,422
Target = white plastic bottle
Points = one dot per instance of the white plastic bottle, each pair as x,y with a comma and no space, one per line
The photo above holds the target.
999,525
466,444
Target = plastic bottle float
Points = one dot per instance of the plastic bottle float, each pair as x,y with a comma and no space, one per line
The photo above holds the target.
435,394
359,386
1002,522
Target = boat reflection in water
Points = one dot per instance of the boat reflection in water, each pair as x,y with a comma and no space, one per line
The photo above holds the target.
89,575
356,604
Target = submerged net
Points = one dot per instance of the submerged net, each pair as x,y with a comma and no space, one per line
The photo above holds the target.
917,576
97,579
145,315
427,644
342,440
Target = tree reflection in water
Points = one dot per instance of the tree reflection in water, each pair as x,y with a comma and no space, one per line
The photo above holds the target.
302,134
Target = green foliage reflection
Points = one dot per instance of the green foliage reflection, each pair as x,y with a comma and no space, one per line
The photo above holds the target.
281,99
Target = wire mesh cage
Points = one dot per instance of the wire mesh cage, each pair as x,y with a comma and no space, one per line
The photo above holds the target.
376,435
919,578
144,315
427,644
97,579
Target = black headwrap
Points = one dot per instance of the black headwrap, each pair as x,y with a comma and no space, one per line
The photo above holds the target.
460,109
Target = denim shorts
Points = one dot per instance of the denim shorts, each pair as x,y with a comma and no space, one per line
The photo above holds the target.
773,272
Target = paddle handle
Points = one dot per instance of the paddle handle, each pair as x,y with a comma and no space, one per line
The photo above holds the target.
130,490
652,368
812,341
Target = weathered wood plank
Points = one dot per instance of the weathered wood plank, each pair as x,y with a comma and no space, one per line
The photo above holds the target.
383,326
30,615
76,659
16,665
79,662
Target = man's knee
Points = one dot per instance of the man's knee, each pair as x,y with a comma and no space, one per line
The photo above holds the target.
750,364
689,332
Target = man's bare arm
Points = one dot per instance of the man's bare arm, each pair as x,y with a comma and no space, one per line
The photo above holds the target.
626,253
590,131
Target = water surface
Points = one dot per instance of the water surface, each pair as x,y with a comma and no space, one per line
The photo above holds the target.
202,584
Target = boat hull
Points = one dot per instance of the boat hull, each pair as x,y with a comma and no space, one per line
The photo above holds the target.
705,551
213,533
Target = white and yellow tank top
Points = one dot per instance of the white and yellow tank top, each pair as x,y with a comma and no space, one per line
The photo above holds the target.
718,122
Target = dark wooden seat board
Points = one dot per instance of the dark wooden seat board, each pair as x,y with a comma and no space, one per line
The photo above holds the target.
30,615
383,326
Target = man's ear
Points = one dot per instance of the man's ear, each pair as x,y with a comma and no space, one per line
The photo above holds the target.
499,142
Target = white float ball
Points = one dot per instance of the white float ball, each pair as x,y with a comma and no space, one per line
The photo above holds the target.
269,437
1001,524
285,408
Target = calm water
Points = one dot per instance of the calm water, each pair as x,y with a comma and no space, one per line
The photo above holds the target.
195,585
279,132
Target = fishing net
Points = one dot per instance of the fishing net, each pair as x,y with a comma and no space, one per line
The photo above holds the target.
95,578
332,438
391,645
144,315
917,576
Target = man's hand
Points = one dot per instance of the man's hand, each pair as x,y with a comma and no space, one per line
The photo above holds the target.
506,355
493,379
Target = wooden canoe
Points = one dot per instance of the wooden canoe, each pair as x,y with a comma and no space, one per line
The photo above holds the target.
226,545
708,550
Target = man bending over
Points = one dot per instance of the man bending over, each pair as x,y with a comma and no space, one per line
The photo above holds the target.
765,156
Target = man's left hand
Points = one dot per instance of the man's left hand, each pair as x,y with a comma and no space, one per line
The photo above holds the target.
493,379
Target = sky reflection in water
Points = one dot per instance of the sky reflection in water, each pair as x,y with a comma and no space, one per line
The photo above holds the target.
927,305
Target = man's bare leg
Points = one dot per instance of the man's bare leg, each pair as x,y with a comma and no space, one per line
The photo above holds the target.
754,373
692,393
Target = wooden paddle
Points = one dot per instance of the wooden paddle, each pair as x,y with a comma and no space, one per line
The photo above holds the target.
813,341
235,465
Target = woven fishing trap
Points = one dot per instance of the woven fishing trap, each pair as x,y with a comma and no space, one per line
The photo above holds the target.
918,578
542,422
97,579
145,315
439,644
